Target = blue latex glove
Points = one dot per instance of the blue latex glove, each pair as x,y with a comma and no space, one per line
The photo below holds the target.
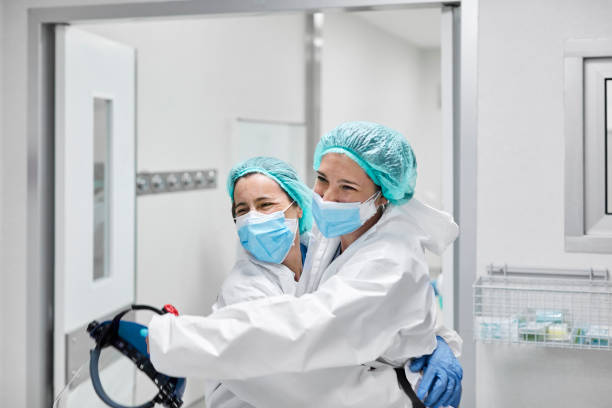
442,376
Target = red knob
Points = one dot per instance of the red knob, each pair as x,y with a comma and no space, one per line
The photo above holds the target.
170,309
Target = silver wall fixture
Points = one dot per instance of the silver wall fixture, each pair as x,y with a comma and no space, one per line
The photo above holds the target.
175,181
590,274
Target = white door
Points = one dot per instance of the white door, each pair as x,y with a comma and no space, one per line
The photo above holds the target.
95,196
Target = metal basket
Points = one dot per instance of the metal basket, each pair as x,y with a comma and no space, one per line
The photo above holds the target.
552,308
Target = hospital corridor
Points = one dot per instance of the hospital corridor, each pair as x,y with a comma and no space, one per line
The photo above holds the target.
305,203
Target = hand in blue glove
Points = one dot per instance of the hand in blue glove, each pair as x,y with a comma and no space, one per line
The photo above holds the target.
442,376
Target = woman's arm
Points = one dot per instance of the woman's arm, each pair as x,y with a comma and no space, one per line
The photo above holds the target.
350,320
246,282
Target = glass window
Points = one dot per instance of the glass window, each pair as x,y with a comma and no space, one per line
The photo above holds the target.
608,145
102,129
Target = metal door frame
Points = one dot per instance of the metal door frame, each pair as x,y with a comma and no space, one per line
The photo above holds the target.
40,153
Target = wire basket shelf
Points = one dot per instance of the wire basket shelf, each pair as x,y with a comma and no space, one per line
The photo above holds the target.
550,308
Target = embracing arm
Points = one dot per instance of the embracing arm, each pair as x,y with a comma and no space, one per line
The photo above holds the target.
350,320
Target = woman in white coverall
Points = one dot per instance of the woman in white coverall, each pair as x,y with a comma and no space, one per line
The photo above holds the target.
268,203
361,290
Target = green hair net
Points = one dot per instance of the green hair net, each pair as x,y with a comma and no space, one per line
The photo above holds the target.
284,175
383,153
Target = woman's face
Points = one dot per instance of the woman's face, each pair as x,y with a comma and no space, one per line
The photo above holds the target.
342,180
258,192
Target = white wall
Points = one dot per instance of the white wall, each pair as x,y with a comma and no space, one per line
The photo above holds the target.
370,74
520,188
367,74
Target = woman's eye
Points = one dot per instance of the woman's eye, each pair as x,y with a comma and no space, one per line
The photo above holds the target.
266,204
321,179
348,188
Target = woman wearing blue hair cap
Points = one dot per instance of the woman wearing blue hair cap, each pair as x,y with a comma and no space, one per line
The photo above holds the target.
363,301
269,201
284,175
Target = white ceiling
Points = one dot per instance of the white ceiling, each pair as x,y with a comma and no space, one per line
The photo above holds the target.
421,27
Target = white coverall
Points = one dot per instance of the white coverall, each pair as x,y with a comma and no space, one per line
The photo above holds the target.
373,300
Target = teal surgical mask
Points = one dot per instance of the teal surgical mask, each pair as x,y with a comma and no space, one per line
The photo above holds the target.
268,237
334,219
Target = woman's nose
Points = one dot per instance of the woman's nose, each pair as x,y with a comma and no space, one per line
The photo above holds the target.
331,194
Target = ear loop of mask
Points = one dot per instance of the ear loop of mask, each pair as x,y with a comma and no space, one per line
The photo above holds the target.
376,196
368,208
373,197
383,206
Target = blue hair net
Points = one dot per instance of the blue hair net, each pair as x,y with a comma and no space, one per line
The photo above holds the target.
383,153
284,175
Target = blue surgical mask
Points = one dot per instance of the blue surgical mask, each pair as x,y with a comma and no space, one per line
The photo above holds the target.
334,219
268,237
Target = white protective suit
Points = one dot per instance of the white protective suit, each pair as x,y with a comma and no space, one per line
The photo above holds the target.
250,279
369,298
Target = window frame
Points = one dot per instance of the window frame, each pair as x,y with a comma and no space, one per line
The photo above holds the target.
588,228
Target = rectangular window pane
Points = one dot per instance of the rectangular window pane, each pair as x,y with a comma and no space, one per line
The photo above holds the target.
283,140
609,146
102,127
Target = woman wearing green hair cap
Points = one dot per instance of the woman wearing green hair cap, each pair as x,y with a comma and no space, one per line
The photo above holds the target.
364,298
370,227
383,153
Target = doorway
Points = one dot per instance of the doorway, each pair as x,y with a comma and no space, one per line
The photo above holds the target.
313,124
